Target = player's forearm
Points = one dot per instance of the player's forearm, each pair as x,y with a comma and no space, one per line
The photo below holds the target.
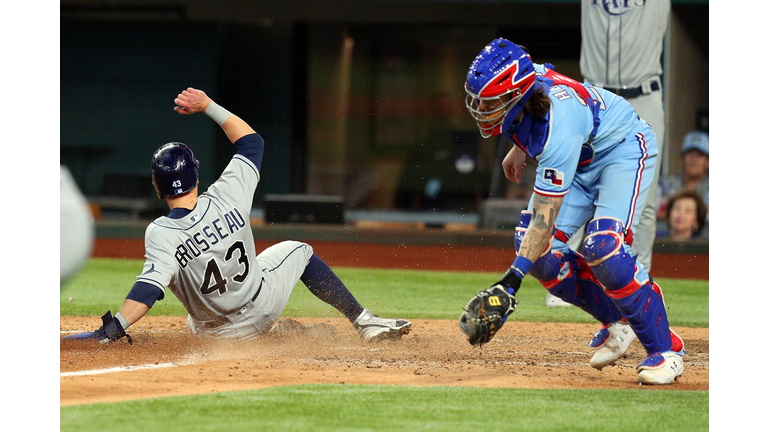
545,210
236,128
132,310
232,125
534,242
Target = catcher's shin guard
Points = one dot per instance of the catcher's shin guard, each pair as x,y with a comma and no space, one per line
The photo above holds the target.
568,277
644,310
640,302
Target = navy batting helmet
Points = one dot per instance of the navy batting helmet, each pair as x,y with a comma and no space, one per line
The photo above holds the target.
174,169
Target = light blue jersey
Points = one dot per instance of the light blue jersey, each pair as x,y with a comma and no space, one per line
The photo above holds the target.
608,176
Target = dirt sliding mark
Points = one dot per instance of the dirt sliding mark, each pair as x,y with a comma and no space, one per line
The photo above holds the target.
523,355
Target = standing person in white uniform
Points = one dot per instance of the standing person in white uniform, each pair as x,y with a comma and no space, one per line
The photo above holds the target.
621,46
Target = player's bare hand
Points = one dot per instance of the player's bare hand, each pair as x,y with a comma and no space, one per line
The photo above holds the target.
513,164
191,101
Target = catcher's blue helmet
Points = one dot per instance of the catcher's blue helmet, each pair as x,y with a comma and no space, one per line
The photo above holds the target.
174,169
500,81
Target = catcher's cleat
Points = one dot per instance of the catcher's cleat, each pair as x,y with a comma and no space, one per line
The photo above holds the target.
613,342
661,369
372,328
486,313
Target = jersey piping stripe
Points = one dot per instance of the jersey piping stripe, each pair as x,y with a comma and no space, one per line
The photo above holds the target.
621,33
151,282
550,193
638,179
247,162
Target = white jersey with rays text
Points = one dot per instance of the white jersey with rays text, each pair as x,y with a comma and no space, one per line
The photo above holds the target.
622,41
207,257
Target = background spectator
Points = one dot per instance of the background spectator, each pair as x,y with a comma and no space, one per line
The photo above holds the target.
695,175
686,216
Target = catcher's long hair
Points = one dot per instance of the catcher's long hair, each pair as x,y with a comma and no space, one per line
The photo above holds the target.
538,105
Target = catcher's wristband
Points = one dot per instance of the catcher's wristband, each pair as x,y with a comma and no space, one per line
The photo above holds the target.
521,265
217,113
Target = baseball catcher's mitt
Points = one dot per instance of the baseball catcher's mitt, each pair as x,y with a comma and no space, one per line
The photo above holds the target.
486,313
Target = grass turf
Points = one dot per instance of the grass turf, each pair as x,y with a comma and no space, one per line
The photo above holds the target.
415,294
340,407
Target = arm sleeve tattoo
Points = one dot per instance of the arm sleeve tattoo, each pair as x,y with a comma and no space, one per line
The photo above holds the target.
545,210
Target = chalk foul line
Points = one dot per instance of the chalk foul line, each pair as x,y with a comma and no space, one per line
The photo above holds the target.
117,369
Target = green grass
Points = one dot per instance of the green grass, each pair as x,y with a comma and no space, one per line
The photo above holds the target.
104,283
400,408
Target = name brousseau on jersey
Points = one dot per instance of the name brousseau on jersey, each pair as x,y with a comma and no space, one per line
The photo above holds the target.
208,236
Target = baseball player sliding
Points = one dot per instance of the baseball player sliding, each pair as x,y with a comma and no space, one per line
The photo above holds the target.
203,250
596,160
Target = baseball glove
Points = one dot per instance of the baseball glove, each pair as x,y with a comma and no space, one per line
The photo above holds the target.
486,313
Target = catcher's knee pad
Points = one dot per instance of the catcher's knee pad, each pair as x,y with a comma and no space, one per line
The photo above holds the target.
643,307
604,252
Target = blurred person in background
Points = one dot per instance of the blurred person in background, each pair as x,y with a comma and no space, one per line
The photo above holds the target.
76,225
695,175
686,216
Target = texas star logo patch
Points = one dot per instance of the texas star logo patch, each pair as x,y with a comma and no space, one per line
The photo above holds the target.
553,176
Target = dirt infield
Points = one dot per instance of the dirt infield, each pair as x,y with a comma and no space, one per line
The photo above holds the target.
523,355
169,361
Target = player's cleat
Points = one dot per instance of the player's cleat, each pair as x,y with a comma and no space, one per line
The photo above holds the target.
661,369
554,301
373,329
612,342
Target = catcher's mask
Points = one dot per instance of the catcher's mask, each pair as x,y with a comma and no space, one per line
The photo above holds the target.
500,81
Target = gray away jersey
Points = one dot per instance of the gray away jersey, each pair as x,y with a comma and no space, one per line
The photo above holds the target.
207,258
622,41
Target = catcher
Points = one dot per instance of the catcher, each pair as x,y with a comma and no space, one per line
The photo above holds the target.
596,159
